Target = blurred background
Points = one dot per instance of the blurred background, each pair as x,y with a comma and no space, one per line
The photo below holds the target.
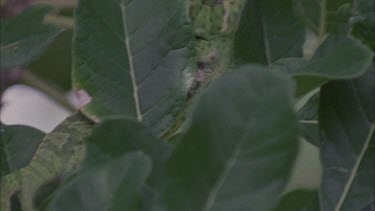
39,95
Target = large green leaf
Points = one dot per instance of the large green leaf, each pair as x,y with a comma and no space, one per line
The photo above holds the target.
25,37
133,58
240,147
268,31
18,145
113,185
339,57
347,122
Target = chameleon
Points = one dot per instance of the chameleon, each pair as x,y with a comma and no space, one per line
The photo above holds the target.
214,23
57,157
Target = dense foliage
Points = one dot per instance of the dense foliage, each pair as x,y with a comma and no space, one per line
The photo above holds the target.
192,105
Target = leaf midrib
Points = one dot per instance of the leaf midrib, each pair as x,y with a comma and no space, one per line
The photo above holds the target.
355,170
131,65
227,168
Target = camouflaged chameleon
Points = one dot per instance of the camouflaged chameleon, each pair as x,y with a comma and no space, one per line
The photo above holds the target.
214,24
57,157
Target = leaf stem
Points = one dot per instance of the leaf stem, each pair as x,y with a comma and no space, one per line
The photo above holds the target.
54,93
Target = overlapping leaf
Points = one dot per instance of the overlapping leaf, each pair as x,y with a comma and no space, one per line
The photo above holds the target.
18,145
240,147
113,185
133,58
268,31
125,136
347,116
364,28
25,37
339,57
317,14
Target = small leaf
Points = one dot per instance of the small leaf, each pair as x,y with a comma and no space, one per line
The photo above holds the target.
113,185
25,37
268,31
18,145
240,147
339,57
347,122
134,58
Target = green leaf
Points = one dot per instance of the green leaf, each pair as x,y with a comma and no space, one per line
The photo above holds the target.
113,185
370,207
18,145
347,122
364,29
310,110
25,37
295,200
125,136
240,147
339,57
310,132
133,58
55,63
268,31
313,205
316,14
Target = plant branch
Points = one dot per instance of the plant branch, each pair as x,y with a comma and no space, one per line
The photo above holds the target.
35,81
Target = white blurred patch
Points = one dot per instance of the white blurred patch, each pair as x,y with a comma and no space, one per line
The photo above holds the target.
307,169
27,106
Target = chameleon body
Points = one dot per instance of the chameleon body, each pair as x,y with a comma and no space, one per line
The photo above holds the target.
57,157
214,24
